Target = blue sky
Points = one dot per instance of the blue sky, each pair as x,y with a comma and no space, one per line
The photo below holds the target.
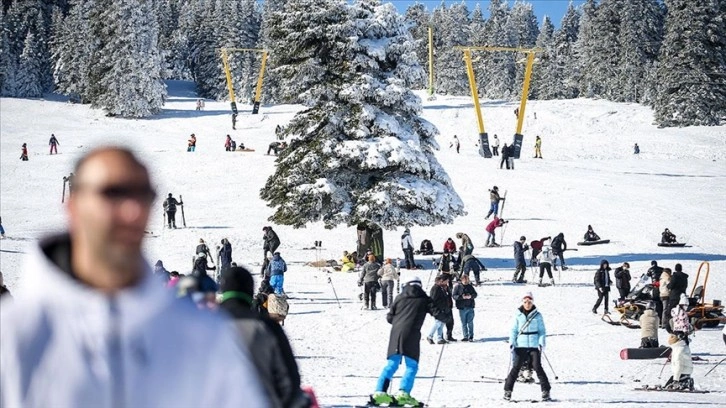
553,8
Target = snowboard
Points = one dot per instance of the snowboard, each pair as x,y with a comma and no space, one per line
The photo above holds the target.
671,244
660,388
245,150
586,243
645,353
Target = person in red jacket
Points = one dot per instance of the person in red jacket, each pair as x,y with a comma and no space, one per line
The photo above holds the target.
449,246
24,153
491,238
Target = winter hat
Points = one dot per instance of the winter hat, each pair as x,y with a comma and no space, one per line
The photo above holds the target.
684,300
528,295
159,263
237,282
653,263
169,195
495,188
414,280
522,238
679,268
650,305
201,241
672,339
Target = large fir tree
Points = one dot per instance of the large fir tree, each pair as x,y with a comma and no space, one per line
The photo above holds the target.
451,75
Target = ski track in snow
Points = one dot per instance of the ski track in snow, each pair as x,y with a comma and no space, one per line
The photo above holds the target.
588,176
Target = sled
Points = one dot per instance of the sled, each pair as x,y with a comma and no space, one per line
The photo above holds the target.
598,242
245,150
671,244
645,353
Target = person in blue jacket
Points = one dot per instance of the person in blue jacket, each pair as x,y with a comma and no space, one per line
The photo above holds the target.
277,267
527,339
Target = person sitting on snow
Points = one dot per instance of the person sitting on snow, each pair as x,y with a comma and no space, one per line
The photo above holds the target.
348,262
667,237
590,235
649,323
681,364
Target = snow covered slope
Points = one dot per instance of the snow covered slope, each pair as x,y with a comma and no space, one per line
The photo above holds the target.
588,176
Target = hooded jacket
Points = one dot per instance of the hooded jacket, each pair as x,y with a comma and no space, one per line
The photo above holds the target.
649,322
406,241
532,334
678,285
406,315
64,344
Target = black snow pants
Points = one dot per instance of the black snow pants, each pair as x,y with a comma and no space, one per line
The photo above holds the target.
520,356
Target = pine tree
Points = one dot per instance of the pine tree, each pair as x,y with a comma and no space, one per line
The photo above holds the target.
272,86
498,67
451,77
605,61
565,59
544,73
73,45
30,69
584,51
641,36
524,30
418,21
692,62
478,37
361,152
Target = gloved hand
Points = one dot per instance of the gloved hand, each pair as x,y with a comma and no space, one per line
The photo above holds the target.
360,283
541,348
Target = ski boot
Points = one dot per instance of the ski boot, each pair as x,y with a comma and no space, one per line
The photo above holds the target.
508,395
546,396
381,398
405,399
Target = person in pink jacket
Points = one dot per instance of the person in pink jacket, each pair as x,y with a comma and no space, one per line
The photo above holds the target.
496,223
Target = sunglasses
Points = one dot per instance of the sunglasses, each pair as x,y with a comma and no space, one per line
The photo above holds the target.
526,300
143,194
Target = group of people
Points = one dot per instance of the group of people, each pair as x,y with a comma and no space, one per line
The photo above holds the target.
53,143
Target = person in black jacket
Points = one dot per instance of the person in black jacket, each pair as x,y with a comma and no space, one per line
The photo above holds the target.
667,237
202,248
441,304
406,316
678,286
622,281
559,246
270,241
473,264
225,254
505,156
464,295
267,343
169,206
590,235
520,247
654,274
602,285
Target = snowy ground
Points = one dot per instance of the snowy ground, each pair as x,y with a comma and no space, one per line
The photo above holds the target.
588,176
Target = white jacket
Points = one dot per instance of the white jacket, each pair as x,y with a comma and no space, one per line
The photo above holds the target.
681,362
63,344
406,241
545,255
495,142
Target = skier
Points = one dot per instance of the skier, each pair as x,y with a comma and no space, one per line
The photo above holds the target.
680,322
677,286
203,248
228,144
510,157
495,146
24,152
602,285
537,246
636,149
665,279
4,291
545,259
225,254
271,351
538,148
464,295
406,316
441,309
270,240
407,246
368,278
667,237
654,273
170,207
192,143
681,364
449,246
388,275
505,157
376,234
590,235
53,143
520,247
69,179
559,246
494,199
472,264
455,143
622,281
649,323
277,268
491,231
527,338
160,272
234,121
2,230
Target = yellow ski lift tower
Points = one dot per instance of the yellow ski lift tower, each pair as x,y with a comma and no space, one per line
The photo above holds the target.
484,149
228,75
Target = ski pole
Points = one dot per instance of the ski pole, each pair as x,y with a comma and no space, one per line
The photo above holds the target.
436,371
714,367
330,281
550,364
662,368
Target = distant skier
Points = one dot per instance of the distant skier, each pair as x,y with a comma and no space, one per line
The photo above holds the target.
494,200
495,146
277,268
170,207
491,231
677,286
192,143
270,240
206,284
559,246
69,179
636,149
202,248
590,235
520,247
368,278
53,143
225,254
407,246
228,144
665,279
161,273
538,148
622,281
200,104
527,340
505,156
24,152
455,143
464,295
406,316
388,277
426,248
516,112
667,237
544,260
2,230
649,323
602,285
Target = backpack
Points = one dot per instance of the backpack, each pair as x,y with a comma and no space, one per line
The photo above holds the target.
277,306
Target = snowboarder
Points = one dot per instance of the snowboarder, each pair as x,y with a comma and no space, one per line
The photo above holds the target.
192,143
544,260
472,264
228,144
602,285
677,287
520,247
407,246
426,248
234,121
388,275
649,323
406,316
590,235
495,146
491,231
449,246
636,149
53,143
622,281
376,234
505,156
170,207
225,254
455,143
665,279
494,200
654,273
527,339
4,291
559,246
270,240
368,278
2,230
161,273
667,237
464,295
681,364
441,309
277,268
24,152
538,148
